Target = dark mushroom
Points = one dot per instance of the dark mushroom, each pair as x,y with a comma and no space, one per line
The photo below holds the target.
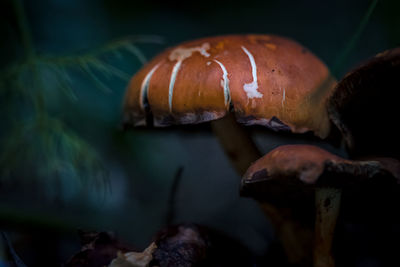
364,106
292,173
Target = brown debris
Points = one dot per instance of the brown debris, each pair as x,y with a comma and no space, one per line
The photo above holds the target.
98,250
188,245
134,259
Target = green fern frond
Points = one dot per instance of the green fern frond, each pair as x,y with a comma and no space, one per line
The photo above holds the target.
86,62
91,61
64,81
136,51
51,150
36,145
127,42
85,67
42,144
124,44
108,69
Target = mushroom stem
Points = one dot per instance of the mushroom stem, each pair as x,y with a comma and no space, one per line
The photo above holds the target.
327,202
295,238
236,142
242,152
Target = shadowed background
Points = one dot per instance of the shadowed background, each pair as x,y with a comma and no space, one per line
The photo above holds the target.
42,212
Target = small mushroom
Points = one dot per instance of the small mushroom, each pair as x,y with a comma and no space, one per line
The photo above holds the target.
290,174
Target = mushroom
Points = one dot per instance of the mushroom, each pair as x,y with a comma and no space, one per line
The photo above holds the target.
365,101
253,79
290,174
264,80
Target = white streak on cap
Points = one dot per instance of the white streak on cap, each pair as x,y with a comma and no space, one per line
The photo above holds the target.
225,83
145,86
251,88
180,54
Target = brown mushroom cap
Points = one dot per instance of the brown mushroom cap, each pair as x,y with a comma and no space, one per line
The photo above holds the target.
291,170
365,105
265,79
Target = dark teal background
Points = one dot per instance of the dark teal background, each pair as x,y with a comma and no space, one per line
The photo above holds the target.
142,164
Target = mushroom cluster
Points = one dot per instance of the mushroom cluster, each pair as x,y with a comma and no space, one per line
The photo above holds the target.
275,82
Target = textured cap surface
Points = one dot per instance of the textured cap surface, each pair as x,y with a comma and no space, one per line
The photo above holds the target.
293,169
268,80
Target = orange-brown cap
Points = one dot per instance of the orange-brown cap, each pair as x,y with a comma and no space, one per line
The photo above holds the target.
265,79
292,169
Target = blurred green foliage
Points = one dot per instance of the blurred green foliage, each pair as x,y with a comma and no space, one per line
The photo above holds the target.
37,145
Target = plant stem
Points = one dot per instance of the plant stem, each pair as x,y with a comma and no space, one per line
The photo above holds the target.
296,239
30,53
242,152
345,53
236,142
24,29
